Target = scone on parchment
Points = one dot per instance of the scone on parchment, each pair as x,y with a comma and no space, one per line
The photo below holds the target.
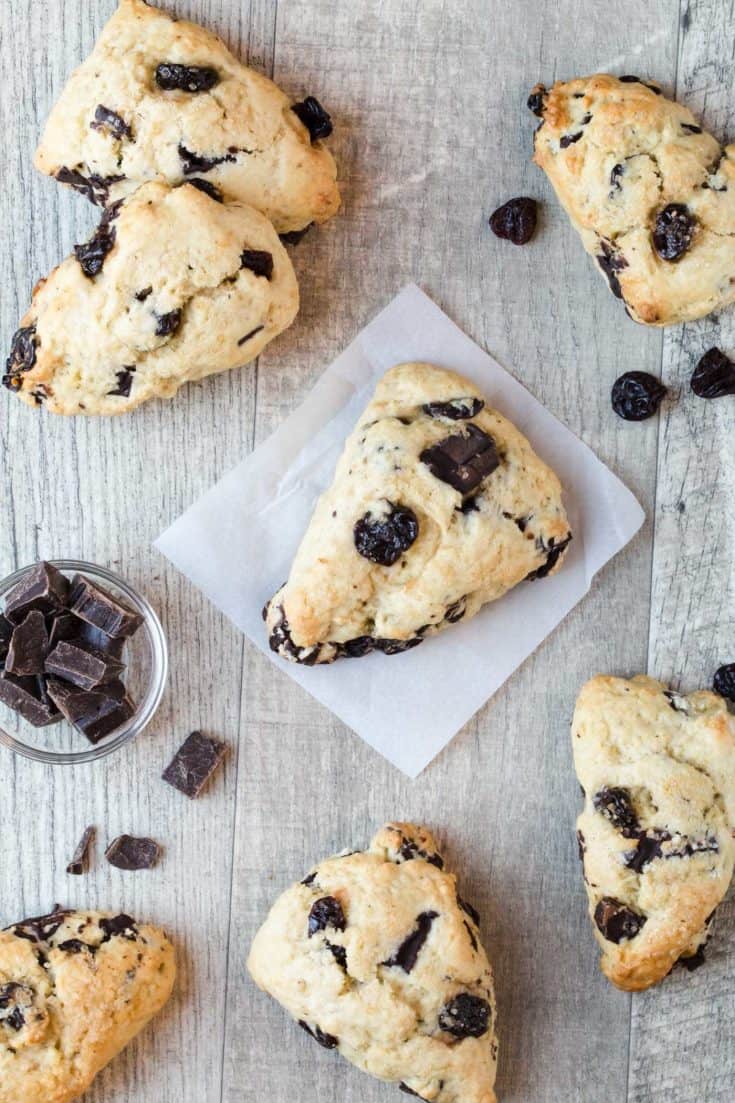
163,97
172,287
651,194
656,833
75,988
438,506
376,955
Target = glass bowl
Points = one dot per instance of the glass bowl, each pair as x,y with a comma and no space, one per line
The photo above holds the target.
146,658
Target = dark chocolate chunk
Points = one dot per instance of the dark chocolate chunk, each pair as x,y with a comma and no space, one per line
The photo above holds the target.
208,189
119,926
384,536
407,953
327,1040
280,640
141,296
637,395
42,587
409,851
316,120
456,611
581,846
185,78
553,552
628,79
471,934
16,1000
469,910
111,122
339,953
465,1016
615,174
65,626
649,848
167,324
693,961
28,646
516,220
691,128
456,409
409,1091
310,878
194,163
724,681
97,606
326,912
124,382
615,921
611,261
463,460
21,358
535,101
361,645
396,647
673,232
80,858
249,335
130,853
6,632
293,237
93,253
96,713
258,261
194,763
76,946
23,696
714,375
569,139
95,188
40,928
82,665
615,805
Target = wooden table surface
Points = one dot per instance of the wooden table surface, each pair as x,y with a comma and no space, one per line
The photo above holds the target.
432,133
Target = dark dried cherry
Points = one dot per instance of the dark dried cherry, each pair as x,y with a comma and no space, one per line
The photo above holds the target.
466,1016
326,912
516,220
673,232
22,356
186,78
91,255
384,537
316,120
714,375
724,681
95,188
637,395
535,101
167,324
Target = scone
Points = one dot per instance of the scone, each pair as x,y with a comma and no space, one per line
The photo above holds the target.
165,98
656,833
75,988
438,506
651,194
375,954
172,287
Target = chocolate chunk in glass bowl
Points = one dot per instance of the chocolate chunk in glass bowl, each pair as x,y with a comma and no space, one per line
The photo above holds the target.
314,117
6,632
408,952
637,395
516,220
673,232
28,646
23,695
714,375
82,665
95,713
130,853
383,536
615,921
80,858
171,77
42,587
456,409
466,1016
463,460
65,626
194,763
97,606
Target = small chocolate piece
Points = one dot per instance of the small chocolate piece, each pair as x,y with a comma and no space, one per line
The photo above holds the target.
293,237
119,926
130,853
384,536
111,122
328,1041
326,912
65,626
28,646
23,695
612,261
96,713
409,1091
124,382
463,460
615,805
97,606
258,261
208,189
80,858
516,220
456,409
195,163
408,952
76,946
95,188
466,1016
40,928
724,681
194,763
249,335
81,665
42,587
615,921
167,324
569,139
316,120
172,77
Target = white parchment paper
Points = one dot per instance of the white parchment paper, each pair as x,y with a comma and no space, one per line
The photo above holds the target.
237,542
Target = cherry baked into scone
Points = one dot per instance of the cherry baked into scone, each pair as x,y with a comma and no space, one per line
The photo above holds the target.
657,832
75,988
438,505
651,193
173,286
376,955
160,97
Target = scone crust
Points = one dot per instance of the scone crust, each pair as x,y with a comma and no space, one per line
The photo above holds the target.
175,249
267,158
669,760
384,1019
617,153
470,549
84,993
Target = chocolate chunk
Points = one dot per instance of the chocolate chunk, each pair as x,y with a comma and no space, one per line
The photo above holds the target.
615,173
65,626
516,220
339,953
127,852
637,395
569,139
76,946
42,587
172,77
97,606
456,409
141,296
93,253
280,639
293,237
535,101
22,356
676,702
714,375
28,646
208,189
309,879
249,335
469,910
167,324
649,848
724,681
96,713
409,1091
616,805
409,850
397,647
80,858
258,261
407,953
82,665
95,188
383,536
673,232
23,696
615,921
16,1000
693,961
316,120
456,611
194,163
628,79
326,912
124,382
612,261
691,128
6,632
194,763
463,460
327,1040
119,926
40,928
110,121
553,552
466,1016
355,649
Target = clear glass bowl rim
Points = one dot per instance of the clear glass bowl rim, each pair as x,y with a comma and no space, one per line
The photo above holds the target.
158,676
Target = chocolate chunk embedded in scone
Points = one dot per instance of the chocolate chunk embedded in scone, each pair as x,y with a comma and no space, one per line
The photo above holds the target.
374,954
658,773
438,506
651,193
75,988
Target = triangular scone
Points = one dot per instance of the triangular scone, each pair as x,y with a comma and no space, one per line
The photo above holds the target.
376,955
172,287
651,193
160,97
75,987
656,833
438,506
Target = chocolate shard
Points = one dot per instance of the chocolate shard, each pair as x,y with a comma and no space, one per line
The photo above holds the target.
130,853
39,928
6,632
97,606
408,952
463,460
23,696
80,858
95,713
65,626
194,763
42,587
82,665
28,646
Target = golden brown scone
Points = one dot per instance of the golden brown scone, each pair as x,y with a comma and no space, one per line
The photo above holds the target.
160,97
75,988
375,954
438,506
656,833
651,194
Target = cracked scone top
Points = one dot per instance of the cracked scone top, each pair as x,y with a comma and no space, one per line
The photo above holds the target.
651,193
376,955
438,506
656,833
75,988
172,287
121,120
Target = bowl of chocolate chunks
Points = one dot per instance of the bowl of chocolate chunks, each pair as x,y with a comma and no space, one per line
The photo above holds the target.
83,662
